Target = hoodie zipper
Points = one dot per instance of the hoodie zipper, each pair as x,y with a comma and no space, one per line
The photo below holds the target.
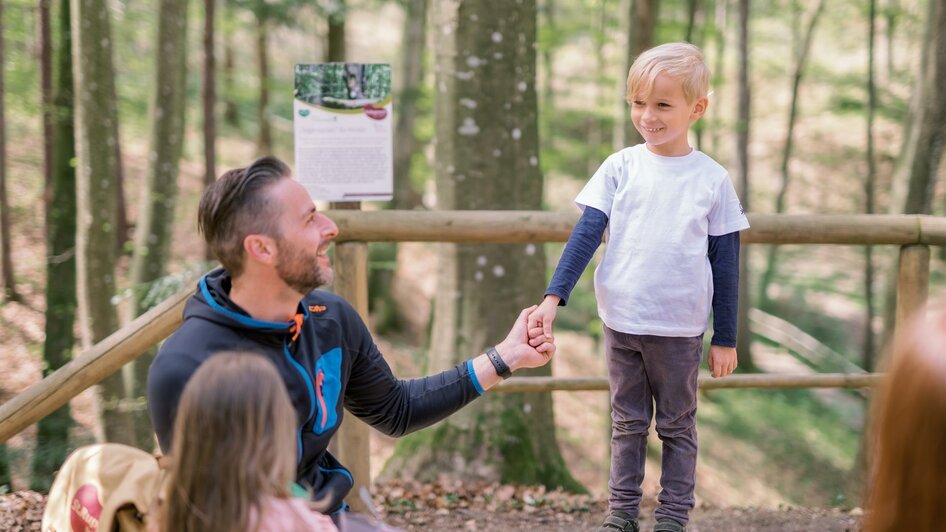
311,389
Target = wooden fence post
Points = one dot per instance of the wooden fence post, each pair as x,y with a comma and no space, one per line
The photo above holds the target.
351,444
913,281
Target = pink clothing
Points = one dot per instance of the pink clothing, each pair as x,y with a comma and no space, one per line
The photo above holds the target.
290,515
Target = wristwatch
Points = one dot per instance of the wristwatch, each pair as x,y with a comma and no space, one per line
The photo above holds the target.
501,368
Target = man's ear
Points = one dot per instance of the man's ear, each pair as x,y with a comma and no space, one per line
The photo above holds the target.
260,248
699,108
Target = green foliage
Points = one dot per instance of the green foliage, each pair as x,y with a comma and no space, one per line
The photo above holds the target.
810,446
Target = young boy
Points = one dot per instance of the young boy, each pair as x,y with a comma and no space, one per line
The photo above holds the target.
672,219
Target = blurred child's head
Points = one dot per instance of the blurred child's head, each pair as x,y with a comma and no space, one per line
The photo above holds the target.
908,484
678,60
234,444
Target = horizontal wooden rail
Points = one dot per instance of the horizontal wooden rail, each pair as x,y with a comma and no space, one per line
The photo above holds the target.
541,226
755,380
92,366
106,357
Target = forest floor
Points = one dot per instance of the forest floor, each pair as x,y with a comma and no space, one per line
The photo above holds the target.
493,507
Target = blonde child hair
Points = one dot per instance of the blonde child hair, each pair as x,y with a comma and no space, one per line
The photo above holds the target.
234,444
908,482
679,60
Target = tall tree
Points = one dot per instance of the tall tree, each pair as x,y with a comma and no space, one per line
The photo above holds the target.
892,13
641,29
159,193
46,93
334,11
744,336
925,137
801,49
694,35
869,189
264,136
97,175
6,257
412,78
719,70
52,439
230,113
208,93
694,14
487,157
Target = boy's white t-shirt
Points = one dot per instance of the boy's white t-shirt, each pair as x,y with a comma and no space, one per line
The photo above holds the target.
655,277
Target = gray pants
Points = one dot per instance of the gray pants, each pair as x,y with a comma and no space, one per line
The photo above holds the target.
643,370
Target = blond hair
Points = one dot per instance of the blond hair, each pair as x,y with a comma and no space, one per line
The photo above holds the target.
907,489
679,60
234,446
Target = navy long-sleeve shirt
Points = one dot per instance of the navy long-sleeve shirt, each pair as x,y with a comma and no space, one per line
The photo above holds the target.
723,253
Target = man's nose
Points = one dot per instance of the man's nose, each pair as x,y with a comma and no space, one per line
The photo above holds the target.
329,229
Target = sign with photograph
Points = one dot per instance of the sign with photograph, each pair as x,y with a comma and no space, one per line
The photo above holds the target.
343,133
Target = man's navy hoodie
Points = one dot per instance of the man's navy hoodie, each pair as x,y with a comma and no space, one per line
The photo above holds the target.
329,364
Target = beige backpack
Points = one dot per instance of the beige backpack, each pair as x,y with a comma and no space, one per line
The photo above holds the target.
103,488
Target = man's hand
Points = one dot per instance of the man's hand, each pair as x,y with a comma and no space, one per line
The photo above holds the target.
541,319
722,360
518,351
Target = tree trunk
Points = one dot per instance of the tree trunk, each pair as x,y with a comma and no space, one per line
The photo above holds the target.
801,59
336,32
406,196
744,336
52,439
892,13
547,10
920,159
264,139
46,96
694,11
97,198
719,71
924,137
641,30
694,35
122,227
6,258
487,158
599,91
209,100
159,194
869,191
230,113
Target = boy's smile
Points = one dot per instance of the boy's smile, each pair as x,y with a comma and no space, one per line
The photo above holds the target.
664,116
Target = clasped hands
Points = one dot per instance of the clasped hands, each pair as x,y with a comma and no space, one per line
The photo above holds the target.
721,360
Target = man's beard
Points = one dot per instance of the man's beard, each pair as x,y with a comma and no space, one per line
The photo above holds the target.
300,269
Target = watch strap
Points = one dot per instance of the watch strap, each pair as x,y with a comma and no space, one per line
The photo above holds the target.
501,368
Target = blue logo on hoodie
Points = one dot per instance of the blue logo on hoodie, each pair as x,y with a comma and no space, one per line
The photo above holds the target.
328,387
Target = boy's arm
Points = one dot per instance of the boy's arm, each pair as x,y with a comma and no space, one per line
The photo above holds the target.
581,246
723,255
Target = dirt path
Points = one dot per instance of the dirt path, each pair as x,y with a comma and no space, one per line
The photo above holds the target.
505,511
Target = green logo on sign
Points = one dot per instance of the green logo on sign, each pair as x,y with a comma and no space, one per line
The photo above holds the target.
303,112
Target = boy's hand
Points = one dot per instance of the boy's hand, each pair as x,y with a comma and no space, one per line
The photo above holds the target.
722,360
540,321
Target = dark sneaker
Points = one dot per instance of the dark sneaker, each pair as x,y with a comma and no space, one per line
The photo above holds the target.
669,525
619,521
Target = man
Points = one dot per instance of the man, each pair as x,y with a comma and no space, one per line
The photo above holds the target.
272,242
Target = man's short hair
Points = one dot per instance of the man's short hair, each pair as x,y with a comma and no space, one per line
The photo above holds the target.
238,204
679,60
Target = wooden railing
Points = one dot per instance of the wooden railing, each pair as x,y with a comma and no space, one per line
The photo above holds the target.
913,233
